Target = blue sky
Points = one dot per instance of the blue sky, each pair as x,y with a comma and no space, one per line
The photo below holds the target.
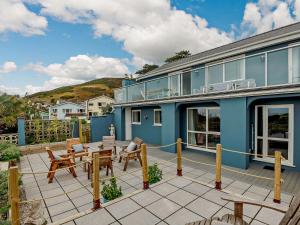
47,44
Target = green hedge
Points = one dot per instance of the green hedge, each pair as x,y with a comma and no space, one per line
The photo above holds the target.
9,152
4,206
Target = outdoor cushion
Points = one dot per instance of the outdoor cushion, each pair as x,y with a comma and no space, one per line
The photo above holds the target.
57,157
131,146
78,148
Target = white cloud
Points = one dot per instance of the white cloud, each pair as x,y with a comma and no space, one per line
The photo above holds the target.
76,70
9,90
8,67
151,30
16,17
266,15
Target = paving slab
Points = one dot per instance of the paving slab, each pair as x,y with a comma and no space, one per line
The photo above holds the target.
140,217
99,217
163,208
123,208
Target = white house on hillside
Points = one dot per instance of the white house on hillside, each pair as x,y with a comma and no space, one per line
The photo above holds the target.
65,110
95,106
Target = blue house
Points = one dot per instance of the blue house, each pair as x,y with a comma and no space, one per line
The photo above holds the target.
244,95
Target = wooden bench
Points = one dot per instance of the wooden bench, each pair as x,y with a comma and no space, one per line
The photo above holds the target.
291,217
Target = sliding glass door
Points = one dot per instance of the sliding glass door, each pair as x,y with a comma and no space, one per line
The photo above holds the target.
203,127
274,132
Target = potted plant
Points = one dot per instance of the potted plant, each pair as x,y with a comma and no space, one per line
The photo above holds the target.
111,191
154,174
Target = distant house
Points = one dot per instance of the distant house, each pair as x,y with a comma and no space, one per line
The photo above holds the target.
65,110
95,106
44,115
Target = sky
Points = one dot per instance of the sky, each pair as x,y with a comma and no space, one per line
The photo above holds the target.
45,44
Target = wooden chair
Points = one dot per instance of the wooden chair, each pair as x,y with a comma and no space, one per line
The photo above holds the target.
104,162
291,217
75,141
56,162
131,155
109,142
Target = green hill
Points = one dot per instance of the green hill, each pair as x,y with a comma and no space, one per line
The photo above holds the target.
80,92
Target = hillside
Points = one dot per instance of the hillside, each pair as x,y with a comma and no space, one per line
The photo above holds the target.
80,92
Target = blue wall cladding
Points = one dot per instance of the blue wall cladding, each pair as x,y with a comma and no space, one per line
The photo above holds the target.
234,131
146,130
119,119
100,126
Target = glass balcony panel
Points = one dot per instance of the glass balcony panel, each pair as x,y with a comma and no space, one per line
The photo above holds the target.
175,85
255,69
215,74
234,70
157,89
296,64
186,83
198,81
278,67
136,92
120,95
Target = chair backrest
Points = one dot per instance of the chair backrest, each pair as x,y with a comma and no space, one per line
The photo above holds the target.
103,153
72,141
138,142
292,216
108,141
50,153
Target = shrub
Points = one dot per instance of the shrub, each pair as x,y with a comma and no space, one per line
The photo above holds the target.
111,191
9,152
154,174
4,206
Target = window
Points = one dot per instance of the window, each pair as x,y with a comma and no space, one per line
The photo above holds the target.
296,64
91,104
215,74
255,69
234,70
203,127
186,83
54,110
274,132
67,110
99,104
174,85
136,117
277,67
157,88
157,117
197,81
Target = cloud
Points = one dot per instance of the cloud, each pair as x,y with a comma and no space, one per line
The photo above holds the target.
9,90
16,17
8,67
76,70
266,15
150,30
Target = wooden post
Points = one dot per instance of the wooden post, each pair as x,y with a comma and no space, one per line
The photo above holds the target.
238,210
145,166
96,181
179,157
80,131
13,184
218,166
277,177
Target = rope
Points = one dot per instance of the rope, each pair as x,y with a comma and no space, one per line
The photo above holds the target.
161,146
65,193
231,170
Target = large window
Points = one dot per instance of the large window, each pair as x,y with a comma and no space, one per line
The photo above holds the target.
235,70
255,69
203,127
215,74
157,117
278,67
136,117
296,64
186,83
274,132
197,81
175,85
157,88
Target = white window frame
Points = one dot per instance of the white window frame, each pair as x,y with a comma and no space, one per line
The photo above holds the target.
154,116
207,132
265,138
136,111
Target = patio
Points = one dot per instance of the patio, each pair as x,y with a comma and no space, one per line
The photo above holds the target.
175,200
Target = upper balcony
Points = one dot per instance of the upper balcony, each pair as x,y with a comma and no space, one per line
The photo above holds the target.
271,68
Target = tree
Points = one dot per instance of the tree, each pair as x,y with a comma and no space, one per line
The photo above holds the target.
146,68
178,55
